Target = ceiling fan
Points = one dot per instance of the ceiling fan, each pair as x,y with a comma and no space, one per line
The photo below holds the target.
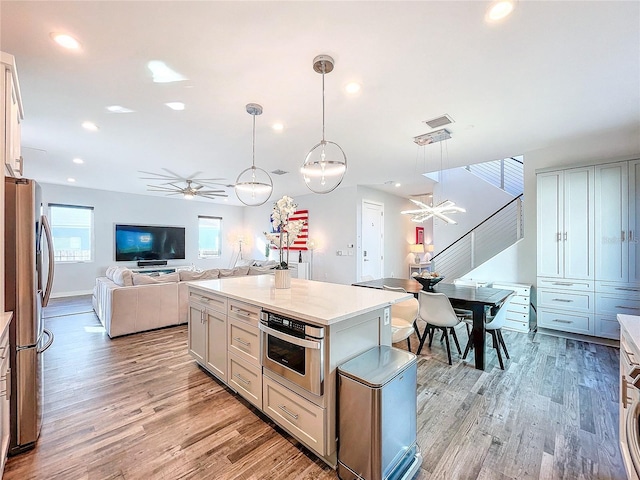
189,187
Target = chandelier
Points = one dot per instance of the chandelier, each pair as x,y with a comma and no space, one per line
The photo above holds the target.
425,212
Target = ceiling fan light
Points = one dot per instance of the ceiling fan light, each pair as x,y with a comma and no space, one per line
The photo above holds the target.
188,196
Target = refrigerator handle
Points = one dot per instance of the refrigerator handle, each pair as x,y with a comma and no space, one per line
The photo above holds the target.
51,269
49,342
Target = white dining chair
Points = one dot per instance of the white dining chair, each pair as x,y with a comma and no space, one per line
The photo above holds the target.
493,327
403,318
467,315
436,310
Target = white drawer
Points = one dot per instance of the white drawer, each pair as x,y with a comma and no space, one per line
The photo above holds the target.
244,341
517,308
517,326
577,323
607,327
574,301
246,379
297,415
517,317
565,284
209,300
521,290
244,312
612,305
520,300
618,289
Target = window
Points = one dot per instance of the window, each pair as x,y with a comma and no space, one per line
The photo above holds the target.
209,237
72,229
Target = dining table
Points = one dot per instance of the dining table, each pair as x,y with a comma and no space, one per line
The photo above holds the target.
467,298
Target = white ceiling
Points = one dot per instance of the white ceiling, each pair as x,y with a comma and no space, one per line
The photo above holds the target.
552,70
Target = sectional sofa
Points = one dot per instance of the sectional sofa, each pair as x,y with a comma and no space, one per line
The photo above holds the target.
127,302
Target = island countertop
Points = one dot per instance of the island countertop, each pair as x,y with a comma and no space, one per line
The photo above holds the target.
317,302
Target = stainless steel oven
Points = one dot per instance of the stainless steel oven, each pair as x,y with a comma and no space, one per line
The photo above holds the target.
294,350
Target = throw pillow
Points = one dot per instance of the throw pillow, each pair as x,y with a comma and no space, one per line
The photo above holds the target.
109,272
142,279
123,276
260,270
244,262
233,272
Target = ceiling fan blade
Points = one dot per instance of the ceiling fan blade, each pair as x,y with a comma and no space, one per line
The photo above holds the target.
159,176
213,196
162,188
193,175
197,187
211,191
175,175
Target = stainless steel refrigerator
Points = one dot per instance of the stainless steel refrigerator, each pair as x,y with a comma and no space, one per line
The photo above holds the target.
26,229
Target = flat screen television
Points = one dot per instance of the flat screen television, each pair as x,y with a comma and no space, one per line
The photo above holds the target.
146,242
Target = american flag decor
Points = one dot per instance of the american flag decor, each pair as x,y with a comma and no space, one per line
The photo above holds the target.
300,242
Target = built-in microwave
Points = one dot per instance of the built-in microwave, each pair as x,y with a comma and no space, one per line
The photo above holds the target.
294,350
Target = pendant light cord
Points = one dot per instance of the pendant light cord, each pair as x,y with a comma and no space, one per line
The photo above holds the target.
253,151
323,70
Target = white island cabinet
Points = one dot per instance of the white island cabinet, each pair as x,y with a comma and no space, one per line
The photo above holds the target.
354,319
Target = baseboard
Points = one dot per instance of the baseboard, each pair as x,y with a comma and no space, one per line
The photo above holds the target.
582,338
72,294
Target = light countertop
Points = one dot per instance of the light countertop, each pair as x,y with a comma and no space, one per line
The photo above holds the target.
631,323
317,302
5,319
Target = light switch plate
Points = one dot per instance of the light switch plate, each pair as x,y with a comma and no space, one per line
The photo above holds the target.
387,316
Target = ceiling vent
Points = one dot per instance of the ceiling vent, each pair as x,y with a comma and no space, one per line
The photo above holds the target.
279,172
432,137
439,121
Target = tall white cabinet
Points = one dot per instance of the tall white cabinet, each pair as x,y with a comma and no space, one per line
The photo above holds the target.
588,252
12,116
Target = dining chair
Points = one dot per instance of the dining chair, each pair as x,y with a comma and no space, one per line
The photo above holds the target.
403,318
436,310
467,315
493,327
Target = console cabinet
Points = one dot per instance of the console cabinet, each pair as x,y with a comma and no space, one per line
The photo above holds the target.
590,271
208,332
12,115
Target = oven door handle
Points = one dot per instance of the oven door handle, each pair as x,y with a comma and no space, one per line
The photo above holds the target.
301,342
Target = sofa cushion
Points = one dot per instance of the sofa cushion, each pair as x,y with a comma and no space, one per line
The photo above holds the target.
246,262
233,272
109,272
260,270
142,279
186,275
122,276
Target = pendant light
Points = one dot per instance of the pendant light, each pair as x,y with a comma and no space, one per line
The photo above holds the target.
253,186
325,164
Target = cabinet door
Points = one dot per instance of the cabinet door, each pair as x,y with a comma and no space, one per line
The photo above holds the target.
634,222
578,211
611,222
197,334
550,253
216,343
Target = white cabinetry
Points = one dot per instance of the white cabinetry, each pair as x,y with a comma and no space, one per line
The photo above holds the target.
566,250
419,268
208,332
517,305
12,115
5,391
591,271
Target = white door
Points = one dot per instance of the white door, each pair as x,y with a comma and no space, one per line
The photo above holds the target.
550,224
611,222
577,235
372,240
634,222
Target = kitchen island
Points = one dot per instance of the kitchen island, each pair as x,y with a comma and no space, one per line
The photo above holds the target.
331,324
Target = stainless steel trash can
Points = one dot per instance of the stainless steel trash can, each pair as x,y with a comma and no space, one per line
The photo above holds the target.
377,416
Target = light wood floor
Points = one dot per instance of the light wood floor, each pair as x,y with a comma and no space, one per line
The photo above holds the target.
138,407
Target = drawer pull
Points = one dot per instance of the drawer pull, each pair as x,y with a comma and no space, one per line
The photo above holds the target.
244,313
242,342
561,321
627,308
243,380
562,300
626,289
284,409
566,284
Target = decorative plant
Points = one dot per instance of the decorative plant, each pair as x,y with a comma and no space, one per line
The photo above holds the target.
286,230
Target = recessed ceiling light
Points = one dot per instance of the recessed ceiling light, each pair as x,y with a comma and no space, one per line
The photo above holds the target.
90,126
78,161
119,109
278,127
352,87
499,10
65,41
398,184
175,105
163,74
71,180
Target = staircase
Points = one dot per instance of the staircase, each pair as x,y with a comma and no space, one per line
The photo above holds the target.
497,232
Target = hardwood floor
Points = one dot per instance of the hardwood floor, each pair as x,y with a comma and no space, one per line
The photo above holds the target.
138,407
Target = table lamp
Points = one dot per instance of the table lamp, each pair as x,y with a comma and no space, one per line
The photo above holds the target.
429,249
416,249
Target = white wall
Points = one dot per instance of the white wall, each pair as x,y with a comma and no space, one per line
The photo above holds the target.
111,208
334,223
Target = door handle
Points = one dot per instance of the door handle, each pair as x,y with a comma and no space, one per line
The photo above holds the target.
52,265
622,234
49,342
